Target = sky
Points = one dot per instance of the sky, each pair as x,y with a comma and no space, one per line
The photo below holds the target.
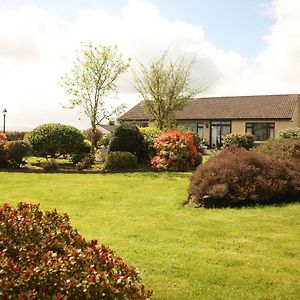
241,48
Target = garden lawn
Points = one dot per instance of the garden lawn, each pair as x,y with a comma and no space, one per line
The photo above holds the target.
182,253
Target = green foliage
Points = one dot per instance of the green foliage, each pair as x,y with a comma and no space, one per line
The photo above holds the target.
92,79
150,134
55,139
290,133
175,151
105,140
164,88
120,161
237,177
3,150
15,135
17,150
85,163
244,140
127,137
43,257
81,152
50,165
283,148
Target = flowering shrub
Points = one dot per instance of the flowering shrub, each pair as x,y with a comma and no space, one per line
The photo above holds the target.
3,150
43,257
290,133
175,151
150,134
237,177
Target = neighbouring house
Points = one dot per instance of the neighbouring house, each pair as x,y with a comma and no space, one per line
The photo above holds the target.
106,128
212,118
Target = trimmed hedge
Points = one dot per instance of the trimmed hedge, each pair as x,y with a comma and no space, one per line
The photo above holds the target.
43,257
238,177
245,140
55,139
127,138
120,160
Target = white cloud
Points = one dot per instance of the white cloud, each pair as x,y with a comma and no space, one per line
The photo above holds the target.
36,49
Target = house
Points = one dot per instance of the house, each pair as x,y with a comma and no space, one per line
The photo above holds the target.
212,118
106,128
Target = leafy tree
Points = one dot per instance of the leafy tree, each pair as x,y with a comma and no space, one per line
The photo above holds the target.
93,78
164,87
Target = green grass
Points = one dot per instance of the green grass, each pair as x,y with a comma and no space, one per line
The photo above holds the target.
182,253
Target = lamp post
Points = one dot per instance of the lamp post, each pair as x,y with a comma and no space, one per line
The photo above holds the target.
4,115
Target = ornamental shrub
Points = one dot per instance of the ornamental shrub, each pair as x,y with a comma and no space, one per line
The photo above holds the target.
17,150
290,133
50,166
175,151
82,151
245,140
55,139
237,177
43,257
282,148
150,134
86,162
128,138
119,160
15,135
3,150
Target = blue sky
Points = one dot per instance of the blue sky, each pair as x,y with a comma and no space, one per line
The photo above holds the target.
237,25
241,47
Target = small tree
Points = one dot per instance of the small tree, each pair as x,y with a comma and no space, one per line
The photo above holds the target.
92,78
164,87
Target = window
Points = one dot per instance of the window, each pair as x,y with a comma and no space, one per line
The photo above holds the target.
218,130
261,131
196,127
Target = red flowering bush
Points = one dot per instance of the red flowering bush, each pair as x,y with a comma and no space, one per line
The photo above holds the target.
175,151
237,177
43,257
3,150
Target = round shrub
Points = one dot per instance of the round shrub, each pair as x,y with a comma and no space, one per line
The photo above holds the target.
43,257
150,134
281,148
119,160
17,150
15,135
290,133
237,177
175,151
82,151
244,140
55,139
128,138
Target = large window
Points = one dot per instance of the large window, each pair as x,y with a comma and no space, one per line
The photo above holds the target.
196,127
217,132
261,131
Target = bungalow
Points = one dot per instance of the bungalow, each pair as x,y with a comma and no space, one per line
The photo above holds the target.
212,118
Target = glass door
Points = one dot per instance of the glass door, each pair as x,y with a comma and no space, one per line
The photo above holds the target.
218,130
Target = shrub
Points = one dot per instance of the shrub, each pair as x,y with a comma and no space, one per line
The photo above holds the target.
3,150
281,148
43,257
150,134
245,140
15,135
86,162
175,151
55,139
238,177
17,150
198,159
119,160
82,151
127,138
290,133
89,135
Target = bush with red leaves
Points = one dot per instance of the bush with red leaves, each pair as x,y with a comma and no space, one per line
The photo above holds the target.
175,151
238,177
43,257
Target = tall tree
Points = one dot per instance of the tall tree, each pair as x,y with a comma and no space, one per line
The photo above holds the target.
164,87
93,78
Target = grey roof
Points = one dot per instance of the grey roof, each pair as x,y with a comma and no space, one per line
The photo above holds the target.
235,107
109,128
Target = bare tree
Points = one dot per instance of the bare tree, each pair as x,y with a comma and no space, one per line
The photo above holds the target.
164,87
93,78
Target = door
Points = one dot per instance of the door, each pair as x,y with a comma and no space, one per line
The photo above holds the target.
218,130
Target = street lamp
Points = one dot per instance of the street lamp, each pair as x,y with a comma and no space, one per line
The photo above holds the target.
4,115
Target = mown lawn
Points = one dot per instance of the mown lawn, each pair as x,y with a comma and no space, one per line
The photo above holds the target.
182,253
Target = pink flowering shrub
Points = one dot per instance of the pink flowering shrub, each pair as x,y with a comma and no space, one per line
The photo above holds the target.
3,137
175,151
43,257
